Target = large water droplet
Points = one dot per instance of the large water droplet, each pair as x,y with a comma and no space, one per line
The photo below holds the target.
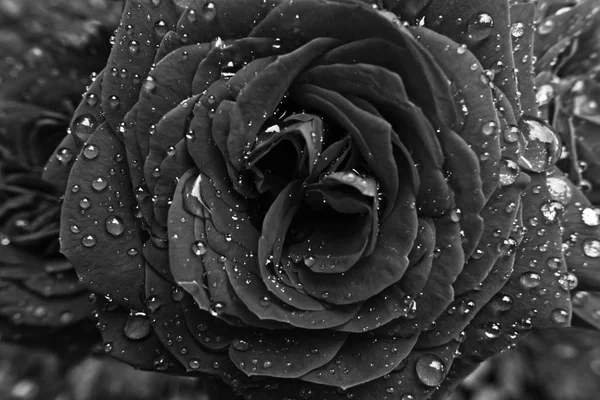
114,225
83,126
559,316
509,171
491,330
552,211
149,84
430,369
517,30
479,26
530,280
209,11
559,189
114,102
199,248
134,47
91,151
241,345
64,155
99,183
161,28
216,309
590,217
543,145
88,241
137,326
591,247
568,281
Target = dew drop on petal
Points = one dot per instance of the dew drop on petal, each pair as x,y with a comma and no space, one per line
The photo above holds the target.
559,316
241,345
430,369
479,26
194,364
591,247
88,241
568,281
137,326
114,225
530,280
91,151
149,84
511,133
64,155
552,211
543,145
489,128
509,171
134,47
113,102
91,99
209,11
161,28
517,30
153,303
590,217
216,309
177,294
491,330
199,248
559,189
99,183
83,126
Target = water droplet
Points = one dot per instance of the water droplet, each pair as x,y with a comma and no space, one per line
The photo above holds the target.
191,15
85,203
177,294
479,26
530,280
430,369
91,99
199,248
559,316
194,364
209,11
160,362
509,171
590,217
559,190
390,390
517,30
267,364
64,155
309,261
503,302
114,102
264,301
241,345
88,241
91,151
161,28
99,183
544,94
153,303
552,211
491,330
591,247
568,281
149,84
489,128
134,47
132,252
83,126
137,326
75,229
407,396
546,27
543,147
107,347
216,309
462,49
511,134
114,225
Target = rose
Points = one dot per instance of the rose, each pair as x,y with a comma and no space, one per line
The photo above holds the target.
322,209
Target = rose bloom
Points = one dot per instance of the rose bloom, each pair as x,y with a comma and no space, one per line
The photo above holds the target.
312,200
